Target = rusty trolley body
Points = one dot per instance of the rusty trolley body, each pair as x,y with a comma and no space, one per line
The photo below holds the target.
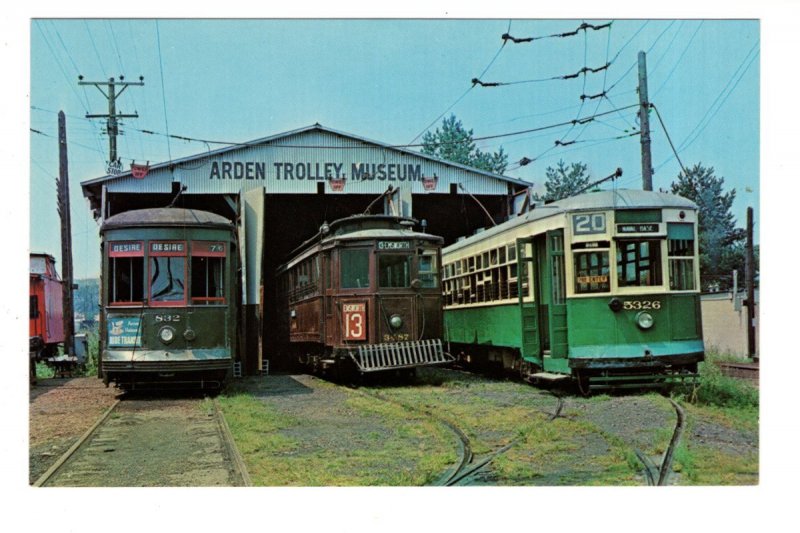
364,293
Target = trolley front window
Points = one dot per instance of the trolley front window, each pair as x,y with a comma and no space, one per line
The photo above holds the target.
207,268
591,272
394,271
428,271
680,252
167,273
126,272
354,269
639,263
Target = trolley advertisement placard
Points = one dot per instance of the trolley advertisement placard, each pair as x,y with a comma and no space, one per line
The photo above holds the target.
124,331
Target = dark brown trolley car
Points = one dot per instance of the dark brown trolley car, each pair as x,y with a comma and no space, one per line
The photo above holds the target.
364,294
168,298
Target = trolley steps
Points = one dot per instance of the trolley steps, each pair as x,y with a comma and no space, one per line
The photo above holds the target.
391,356
549,376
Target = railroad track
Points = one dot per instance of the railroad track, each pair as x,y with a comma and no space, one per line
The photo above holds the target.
152,442
658,475
467,466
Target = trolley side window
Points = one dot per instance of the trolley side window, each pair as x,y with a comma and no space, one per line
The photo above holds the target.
639,263
354,269
680,255
167,273
591,272
394,271
126,269
428,270
208,273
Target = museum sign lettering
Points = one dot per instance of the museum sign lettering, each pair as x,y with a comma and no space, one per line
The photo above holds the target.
252,170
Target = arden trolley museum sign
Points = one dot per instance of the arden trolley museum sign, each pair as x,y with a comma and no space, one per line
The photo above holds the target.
316,171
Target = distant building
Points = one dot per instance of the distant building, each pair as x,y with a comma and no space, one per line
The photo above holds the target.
725,323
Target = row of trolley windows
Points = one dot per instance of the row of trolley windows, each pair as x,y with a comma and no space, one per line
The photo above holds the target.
167,280
638,262
489,276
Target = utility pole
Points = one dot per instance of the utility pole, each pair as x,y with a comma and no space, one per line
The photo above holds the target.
644,125
114,165
66,236
750,274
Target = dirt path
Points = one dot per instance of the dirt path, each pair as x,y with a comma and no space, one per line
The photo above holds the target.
60,412
153,442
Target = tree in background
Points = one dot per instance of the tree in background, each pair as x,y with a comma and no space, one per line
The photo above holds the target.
721,242
455,144
563,181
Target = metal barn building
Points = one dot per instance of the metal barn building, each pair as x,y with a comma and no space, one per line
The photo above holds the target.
281,189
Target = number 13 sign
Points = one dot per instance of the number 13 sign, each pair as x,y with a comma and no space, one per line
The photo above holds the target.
355,321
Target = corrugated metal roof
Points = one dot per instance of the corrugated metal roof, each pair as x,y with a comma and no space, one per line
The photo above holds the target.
304,150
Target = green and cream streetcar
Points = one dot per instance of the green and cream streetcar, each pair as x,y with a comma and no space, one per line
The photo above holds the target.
602,287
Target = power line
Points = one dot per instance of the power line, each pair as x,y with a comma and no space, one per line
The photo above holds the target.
163,94
688,44
496,55
684,144
583,27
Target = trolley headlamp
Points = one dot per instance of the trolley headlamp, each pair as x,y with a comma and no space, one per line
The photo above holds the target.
645,320
395,321
166,334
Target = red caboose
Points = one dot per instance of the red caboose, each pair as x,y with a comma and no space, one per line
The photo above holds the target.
46,309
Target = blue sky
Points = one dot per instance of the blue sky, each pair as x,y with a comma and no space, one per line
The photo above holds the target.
390,80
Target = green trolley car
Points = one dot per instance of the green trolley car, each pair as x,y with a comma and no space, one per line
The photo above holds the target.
602,288
168,298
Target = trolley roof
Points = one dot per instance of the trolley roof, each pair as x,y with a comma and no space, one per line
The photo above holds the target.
360,227
165,216
592,201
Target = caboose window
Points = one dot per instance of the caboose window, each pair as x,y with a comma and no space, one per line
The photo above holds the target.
167,273
394,271
639,263
354,266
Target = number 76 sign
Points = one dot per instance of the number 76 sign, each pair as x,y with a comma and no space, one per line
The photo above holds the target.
355,321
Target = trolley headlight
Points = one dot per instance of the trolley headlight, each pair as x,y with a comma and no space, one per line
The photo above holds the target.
395,321
166,334
645,320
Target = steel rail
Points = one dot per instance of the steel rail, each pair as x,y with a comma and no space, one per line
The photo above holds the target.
230,445
44,478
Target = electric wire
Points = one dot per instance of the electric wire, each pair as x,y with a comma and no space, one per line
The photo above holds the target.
465,93
680,58
163,94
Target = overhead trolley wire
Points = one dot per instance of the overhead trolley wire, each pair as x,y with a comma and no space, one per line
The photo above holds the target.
496,55
583,27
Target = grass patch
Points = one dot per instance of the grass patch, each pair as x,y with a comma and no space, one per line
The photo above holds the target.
366,442
717,389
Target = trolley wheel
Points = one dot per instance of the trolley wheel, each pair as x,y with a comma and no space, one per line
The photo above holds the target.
525,371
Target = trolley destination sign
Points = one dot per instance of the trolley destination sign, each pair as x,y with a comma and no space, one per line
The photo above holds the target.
316,171
637,228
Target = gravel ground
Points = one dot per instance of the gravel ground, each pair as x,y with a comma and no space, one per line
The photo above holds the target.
60,412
